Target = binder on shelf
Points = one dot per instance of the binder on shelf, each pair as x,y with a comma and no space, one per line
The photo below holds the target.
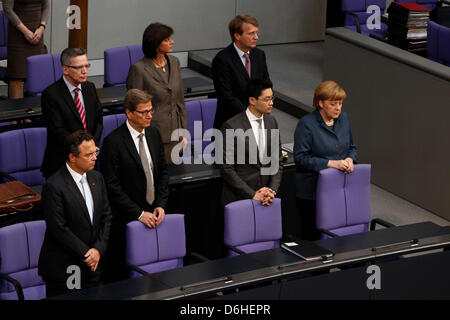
307,250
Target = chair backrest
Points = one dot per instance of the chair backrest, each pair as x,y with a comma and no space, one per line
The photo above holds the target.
117,62
21,154
359,8
20,246
343,200
42,71
250,226
438,43
111,122
158,249
431,4
3,35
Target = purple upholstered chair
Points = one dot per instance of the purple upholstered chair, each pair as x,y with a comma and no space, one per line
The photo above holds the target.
249,226
202,111
117,63
343,202
21,154
111,122
3,42
438,43
154,250
42,71
20,246
356,17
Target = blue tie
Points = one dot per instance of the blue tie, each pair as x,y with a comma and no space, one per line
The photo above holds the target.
88,197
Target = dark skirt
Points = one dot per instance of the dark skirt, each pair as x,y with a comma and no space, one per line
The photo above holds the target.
19,48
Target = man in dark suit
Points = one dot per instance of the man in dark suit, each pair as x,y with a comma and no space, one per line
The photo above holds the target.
234,66
78,218
136,175
68,105
252,166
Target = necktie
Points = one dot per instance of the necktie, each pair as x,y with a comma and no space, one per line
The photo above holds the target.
80,107
150,194
247,64
260,139
88,197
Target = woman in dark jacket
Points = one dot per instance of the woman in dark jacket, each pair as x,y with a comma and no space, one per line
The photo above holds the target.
323,139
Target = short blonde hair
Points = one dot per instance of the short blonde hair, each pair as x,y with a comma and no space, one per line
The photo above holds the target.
328,90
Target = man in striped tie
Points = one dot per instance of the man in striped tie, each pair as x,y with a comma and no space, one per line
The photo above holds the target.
68,105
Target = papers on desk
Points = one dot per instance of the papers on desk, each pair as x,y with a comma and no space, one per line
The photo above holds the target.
307,250
289,147
3,63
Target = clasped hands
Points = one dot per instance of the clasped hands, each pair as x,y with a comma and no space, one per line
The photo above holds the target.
344,165
34,37
265,195
91,258
152,219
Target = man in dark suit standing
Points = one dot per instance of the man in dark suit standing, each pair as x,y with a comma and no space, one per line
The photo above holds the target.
252,166
68,105
234,66
78,218
136,176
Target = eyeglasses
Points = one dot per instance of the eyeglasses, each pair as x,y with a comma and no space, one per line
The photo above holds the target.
254,33
93,154
268,99
87,66
145,112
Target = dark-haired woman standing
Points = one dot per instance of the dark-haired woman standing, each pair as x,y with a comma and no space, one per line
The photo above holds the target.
160,75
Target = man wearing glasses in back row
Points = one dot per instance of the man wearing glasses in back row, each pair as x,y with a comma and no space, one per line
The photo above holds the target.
68,105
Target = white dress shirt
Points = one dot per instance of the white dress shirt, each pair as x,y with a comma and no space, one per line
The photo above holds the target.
252,118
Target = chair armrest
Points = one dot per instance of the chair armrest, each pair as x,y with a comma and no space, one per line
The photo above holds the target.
7,176
358,25
137,269
16,284
197,256
381,222
235,249
328,233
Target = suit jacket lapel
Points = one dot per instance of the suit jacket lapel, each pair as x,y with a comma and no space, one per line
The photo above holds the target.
96,196
67,97
151,148
77,194
247,126
238,62
149,65
128,141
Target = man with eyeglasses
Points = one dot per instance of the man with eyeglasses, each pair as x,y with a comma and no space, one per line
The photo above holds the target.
245,172
78,218
234,66
68,105
136,176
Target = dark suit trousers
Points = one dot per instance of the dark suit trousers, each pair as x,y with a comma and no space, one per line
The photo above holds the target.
307,213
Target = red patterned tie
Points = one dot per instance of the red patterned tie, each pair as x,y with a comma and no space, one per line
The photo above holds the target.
80,108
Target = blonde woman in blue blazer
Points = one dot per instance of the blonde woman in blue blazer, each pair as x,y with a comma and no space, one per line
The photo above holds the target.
323,139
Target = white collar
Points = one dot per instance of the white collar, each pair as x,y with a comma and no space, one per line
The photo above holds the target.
75,175
134,134
251,116
71,86
239,51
